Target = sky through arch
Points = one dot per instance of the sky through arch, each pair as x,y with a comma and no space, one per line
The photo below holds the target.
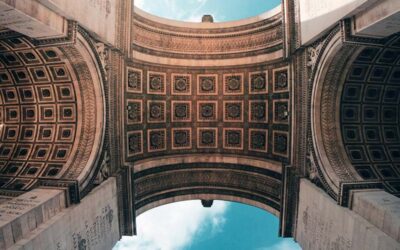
189,226
193,10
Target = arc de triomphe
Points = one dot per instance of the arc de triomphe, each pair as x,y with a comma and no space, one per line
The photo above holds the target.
109,113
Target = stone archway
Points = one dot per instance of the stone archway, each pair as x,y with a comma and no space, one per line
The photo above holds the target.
52,112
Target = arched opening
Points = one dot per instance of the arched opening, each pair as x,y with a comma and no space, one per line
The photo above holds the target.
369,114
192,11
224,225
51,112
355,114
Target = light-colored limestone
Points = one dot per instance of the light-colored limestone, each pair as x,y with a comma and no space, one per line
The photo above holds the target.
32,19
317,16
91,224
322,224
381,20
21,215
381,209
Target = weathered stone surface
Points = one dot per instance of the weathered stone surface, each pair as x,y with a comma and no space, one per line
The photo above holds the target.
322,224
21,215
92,224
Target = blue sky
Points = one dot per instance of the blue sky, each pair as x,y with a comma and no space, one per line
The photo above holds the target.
187,225
193,10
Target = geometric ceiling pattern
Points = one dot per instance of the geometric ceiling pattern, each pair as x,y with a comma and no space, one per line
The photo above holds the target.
38,113
186,111
370,115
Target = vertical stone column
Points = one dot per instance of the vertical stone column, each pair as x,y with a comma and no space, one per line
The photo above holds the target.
322,224
20,216
379,208
48,224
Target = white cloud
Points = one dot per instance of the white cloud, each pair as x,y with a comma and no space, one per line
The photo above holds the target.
175,226
139,3
284,244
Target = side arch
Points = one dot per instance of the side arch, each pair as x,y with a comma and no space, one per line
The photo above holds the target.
52,112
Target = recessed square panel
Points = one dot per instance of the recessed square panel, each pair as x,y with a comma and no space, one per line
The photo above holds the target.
181,84
50,55
281,111
47,113
258,83
10,95
135,143
156,83
350,113
6,150
65,92
12,114
134,80
181,138
22,152
29,113
52,170
233,84
27,133
233,111
5,78
207,84
65,133
207,111
59,73
156,140
377,153
281,79
181,111
66,112
10,133
258,140
358,73
373,93
353,92
46,132
39,74
366,172
45,93
258,111
378,74
17,43
207,137
60,152
26,94
41,152
156,111
352,134
280,143
29,57
357,154
32,169
233,138
10,59
134,111
386,171
12,168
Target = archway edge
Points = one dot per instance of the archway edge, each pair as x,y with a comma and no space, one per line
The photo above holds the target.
220,197
328,153
206,158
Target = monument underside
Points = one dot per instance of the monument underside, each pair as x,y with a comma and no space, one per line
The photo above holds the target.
155,111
